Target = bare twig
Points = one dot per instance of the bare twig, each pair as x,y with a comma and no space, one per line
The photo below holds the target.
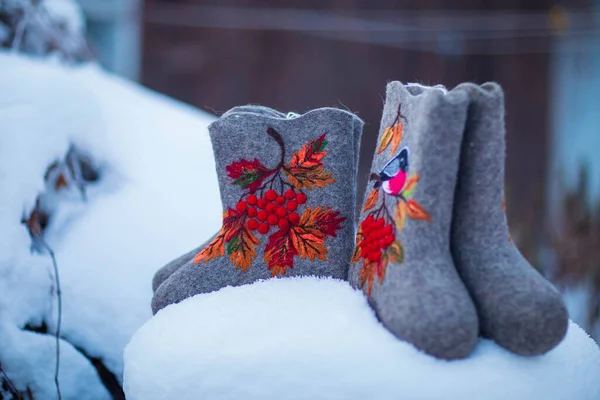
11,387
34,225
59,317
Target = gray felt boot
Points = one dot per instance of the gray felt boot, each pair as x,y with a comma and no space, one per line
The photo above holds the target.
288,186
402,260
517,307
166,271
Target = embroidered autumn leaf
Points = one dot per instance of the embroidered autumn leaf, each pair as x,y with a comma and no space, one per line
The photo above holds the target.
415,211
248,174
367,275
372,199
308,245
382,267
242,250
410,185
393,135
356,253
279,253
233,221
241,242
315,224
400,215
321,221
305,169
396,252
216,248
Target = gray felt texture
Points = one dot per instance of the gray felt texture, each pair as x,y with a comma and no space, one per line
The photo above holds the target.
517,307
422,299
242,135
167,270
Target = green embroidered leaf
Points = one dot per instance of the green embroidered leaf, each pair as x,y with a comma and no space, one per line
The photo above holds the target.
396,252
233,245
410,185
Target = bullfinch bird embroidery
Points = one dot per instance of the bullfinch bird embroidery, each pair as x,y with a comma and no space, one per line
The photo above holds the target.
393,176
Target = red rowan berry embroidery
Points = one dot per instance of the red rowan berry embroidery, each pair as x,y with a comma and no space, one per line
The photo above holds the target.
270,200
252,199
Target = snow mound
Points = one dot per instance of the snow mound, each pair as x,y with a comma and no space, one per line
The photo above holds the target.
305,338
157,197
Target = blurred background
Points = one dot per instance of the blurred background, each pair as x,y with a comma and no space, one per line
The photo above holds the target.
296,55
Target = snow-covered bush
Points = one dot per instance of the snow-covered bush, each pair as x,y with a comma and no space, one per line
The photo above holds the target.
122,179
44,27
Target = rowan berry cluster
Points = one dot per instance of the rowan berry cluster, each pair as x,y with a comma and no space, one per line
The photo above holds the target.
272,209
377,236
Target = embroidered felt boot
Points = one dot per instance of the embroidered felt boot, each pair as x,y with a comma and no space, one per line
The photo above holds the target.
288,188
517,307
402,260
166,271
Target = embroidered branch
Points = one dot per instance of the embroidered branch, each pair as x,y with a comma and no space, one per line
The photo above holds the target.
271,199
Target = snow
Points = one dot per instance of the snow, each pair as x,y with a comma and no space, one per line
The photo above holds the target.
306,338
66,13
157,198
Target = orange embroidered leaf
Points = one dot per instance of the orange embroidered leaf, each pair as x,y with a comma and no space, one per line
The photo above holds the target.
396,252
321,221
305,169
233,221
242,249
367,275
241,242
278,270
308,245
382,267
397,137
216,248
415,211
393,135
400,214
356,253
372,199
410,185
279,253
308,178
386,138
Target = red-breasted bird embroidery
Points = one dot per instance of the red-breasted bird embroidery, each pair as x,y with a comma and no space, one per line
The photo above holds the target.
394,174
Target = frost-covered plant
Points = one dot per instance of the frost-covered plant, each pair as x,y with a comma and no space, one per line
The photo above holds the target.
44,27
76,170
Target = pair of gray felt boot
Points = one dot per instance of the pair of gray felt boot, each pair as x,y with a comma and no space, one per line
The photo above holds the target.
431,249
